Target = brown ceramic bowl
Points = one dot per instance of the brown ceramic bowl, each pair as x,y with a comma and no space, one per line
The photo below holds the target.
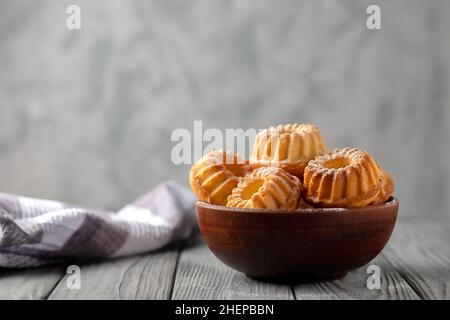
301,244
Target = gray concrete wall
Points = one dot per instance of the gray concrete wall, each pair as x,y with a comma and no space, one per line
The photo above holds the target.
86,116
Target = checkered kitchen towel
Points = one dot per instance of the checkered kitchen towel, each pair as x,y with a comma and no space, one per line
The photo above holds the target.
37,232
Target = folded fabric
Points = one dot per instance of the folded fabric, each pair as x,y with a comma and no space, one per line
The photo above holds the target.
35,232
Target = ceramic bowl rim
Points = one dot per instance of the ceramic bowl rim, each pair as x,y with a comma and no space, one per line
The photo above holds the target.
392,202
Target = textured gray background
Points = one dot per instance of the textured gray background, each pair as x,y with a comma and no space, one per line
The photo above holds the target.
86,116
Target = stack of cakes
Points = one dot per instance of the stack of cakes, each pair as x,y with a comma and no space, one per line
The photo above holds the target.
290,167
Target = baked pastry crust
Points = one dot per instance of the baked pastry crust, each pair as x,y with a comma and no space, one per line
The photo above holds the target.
387,187
289,147
347,177
268,188
303,204
215,175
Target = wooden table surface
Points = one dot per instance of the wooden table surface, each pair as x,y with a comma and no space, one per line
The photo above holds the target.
414,265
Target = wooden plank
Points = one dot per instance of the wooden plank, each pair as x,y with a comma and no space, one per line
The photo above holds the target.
416,260
354,285
200,275
422,255
35,283
148,276
415,264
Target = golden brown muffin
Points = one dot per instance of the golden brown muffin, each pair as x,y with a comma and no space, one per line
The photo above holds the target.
267,187
215,175
387,187
347,177
289,147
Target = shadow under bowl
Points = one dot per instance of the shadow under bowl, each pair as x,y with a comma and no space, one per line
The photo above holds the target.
301,244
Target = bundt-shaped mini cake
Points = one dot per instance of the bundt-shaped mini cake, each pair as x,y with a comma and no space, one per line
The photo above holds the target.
289,147
215,175
347,177
387,187
268,188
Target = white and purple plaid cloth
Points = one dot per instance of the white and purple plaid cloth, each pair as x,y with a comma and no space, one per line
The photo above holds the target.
36,232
